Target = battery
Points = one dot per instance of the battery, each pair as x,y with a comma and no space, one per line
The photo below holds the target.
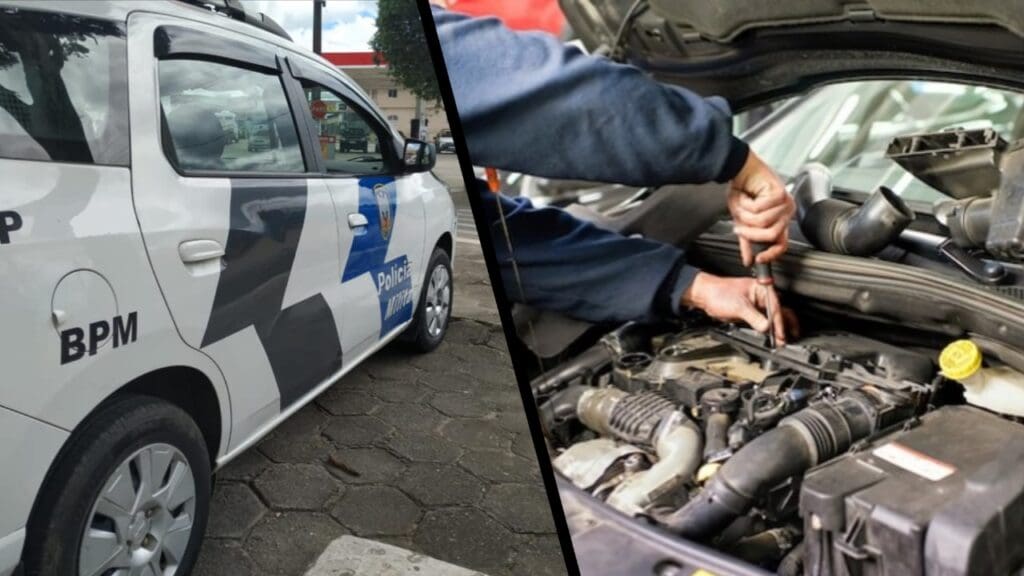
943,496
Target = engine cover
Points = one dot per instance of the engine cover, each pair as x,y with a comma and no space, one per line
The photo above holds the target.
942,498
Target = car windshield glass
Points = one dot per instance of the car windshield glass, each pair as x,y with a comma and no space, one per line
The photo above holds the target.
848,126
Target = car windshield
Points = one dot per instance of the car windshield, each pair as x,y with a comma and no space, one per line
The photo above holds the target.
848,126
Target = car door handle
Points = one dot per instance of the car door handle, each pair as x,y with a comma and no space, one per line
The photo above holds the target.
193,251
357,220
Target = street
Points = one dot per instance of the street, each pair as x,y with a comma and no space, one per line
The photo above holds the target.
430,453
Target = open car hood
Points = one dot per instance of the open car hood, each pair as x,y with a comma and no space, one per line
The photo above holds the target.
751,52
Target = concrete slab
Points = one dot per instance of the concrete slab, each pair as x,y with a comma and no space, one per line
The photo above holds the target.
352,556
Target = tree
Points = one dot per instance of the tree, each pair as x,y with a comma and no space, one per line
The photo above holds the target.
399,40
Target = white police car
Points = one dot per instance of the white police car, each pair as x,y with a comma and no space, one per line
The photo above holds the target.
188,254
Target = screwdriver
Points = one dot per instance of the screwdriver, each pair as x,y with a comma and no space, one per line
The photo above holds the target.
763,273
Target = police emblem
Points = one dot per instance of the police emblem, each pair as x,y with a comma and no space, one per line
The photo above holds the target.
380,192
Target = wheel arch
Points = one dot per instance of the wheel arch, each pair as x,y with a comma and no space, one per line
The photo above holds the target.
445,243
186,387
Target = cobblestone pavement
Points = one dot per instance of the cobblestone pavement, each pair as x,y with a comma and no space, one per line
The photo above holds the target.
427,452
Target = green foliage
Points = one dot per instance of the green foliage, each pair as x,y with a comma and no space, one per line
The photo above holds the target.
399,39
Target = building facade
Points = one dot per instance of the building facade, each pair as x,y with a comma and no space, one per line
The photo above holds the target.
396,102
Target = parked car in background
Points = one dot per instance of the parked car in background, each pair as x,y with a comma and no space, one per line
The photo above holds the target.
444,142
353,139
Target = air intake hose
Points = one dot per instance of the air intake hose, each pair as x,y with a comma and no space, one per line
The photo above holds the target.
812,435
843,227
648,420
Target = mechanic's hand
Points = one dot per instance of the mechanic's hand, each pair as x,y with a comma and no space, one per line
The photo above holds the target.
740,299
761,209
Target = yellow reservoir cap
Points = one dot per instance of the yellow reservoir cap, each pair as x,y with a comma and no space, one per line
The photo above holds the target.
960,359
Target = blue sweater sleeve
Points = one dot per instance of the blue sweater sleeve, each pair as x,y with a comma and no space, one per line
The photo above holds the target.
529,103
573,267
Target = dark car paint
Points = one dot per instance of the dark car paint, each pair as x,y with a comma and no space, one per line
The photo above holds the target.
768,63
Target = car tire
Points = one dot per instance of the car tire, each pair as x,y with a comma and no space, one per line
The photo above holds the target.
434,311
107,455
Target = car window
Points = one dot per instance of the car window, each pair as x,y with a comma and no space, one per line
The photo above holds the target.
848,126
350,142
224,118
63,88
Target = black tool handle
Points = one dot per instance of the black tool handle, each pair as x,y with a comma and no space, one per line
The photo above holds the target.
762,270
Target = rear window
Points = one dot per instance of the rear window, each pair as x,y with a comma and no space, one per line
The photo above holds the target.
63,88
221,117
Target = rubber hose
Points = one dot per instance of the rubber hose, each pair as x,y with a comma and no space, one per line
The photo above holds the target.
812,435
588,362
792,563
679,454
716,434
843,227
561,406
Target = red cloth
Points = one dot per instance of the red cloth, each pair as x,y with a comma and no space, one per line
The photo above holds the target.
516,14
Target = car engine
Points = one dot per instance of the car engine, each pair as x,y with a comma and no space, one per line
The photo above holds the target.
835,454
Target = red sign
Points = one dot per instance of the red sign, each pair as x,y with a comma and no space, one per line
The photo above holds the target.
318,109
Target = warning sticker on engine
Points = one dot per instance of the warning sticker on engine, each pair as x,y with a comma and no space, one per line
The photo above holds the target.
913,461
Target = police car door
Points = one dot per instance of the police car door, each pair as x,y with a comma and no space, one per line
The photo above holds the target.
241,236
380,216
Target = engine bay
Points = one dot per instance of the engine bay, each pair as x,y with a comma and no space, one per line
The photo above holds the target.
839,453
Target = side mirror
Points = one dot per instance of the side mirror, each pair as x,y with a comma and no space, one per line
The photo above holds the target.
419,156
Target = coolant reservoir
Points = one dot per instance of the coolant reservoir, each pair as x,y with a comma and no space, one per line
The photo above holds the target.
998,388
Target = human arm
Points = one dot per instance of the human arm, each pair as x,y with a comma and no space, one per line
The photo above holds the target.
529,103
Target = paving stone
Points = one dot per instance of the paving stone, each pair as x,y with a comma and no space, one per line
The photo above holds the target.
523,508
218,557
402,391
523,446
342,401
465,537
296,486
391,365
404,542
461,404
539,555
441,485
504,399
498,376
245,467
440,360
512,420
308,420
297,439
286,543
499,466
452,381
358,379
412,419
296,450
497,340
234,510
481,356
371,465
419,449
467,333
484,434
377,510
357,430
